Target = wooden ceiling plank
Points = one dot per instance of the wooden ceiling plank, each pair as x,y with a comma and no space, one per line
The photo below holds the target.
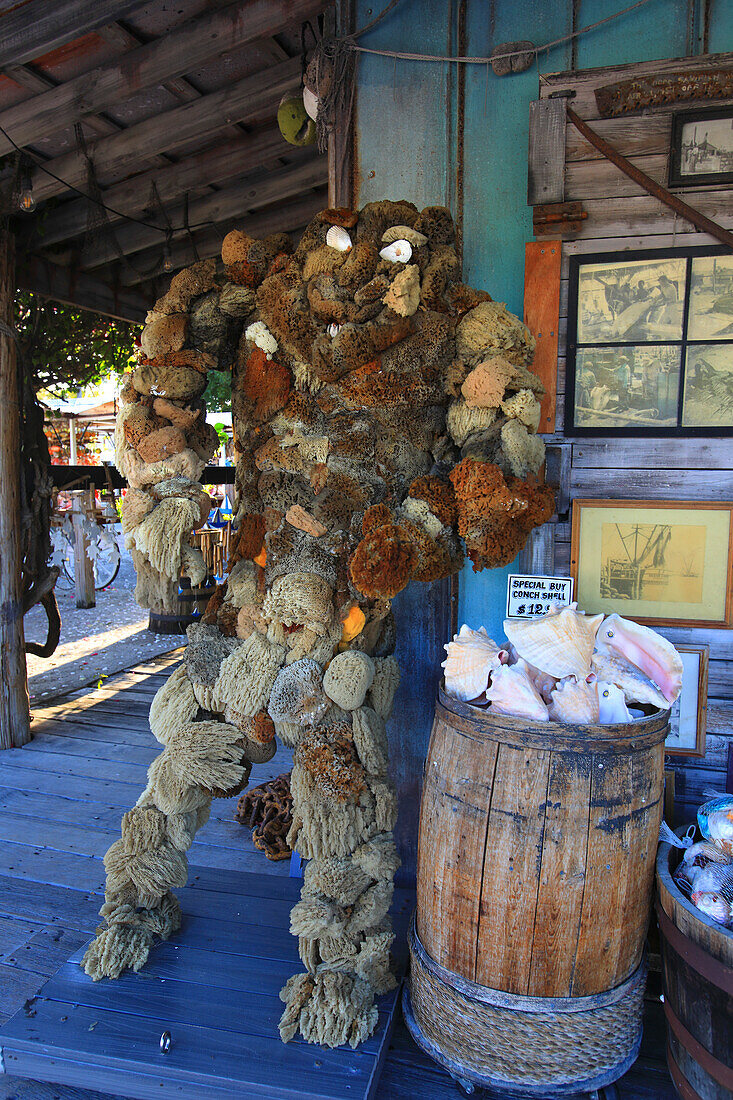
150,65
27,77
79,289
246,100
35,28
219,208
285,218
213,166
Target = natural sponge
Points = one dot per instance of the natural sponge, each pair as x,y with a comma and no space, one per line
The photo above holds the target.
348,678
297,695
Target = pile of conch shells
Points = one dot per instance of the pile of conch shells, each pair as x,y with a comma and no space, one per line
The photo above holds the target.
565,666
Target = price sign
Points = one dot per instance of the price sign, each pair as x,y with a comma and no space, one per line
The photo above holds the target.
530,596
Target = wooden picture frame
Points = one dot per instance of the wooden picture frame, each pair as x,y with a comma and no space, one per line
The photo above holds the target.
650,343
701,151
667,563
688,719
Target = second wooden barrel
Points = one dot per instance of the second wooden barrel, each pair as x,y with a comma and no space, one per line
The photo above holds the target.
536,860
187,609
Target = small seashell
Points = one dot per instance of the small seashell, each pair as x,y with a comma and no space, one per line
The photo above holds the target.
654,655
399,252
334,329
559,643
575,701
311,103
715,906
338,238
513,693
471,657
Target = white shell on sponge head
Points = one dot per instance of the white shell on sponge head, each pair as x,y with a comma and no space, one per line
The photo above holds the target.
471,657
398,252
512,692
338,238
559,643
646,650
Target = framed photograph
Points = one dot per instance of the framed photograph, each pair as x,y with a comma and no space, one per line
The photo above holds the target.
702,147
650,343
688,717
659,562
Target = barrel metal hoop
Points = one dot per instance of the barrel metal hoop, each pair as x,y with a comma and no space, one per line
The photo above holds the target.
713,1066
554,735
680,1082
714,971
501,999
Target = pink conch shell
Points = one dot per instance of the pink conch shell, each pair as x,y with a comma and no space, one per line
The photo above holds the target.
637,687
612,707
512,692
559,643
471,657
575,701
654,655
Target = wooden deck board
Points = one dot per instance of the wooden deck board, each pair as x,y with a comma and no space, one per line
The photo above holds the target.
214,986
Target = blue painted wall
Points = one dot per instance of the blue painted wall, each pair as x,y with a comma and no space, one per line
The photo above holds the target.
408,133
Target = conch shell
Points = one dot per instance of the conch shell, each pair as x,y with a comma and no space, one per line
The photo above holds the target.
512,692
637,687
575,701
612,707
471,657
654,655
559,643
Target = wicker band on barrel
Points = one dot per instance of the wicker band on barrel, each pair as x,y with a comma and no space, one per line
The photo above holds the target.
553,1042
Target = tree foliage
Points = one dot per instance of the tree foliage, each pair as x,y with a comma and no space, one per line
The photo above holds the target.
218,392
66,348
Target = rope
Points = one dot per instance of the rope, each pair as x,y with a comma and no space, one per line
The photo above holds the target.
405,56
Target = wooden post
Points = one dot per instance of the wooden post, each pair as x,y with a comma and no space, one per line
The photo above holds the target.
82,503
72,440
14,706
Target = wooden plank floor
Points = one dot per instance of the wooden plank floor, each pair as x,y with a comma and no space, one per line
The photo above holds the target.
214,985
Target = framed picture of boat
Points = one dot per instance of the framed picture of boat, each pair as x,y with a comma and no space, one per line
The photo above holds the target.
659,562
650,343
688,717
702,148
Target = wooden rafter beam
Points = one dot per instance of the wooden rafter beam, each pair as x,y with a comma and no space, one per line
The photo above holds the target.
146,66
246,100
217,208
80,289
131,197
284,218
34,27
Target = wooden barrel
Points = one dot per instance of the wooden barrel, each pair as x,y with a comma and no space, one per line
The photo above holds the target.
697,976
189,607
535,871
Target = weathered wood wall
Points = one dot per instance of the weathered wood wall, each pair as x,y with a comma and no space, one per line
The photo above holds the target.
435,132
621,216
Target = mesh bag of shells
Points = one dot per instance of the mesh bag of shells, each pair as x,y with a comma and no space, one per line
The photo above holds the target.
385,419
705,872
565,666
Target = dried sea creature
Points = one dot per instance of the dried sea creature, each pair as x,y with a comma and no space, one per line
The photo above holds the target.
654,655
512,692
559,643
637,687
472,655
338,238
